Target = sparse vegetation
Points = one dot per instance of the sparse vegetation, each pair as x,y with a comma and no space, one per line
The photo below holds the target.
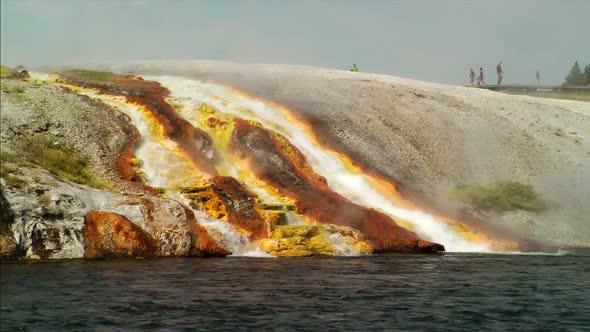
111,82
14,181
8,171
499,196
53,155
99,79
6,72
88,75
6,88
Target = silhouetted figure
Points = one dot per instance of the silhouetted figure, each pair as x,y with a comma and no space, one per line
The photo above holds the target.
499,72
471,76
354,68
480,77
538,77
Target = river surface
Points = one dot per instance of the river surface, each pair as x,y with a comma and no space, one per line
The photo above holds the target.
462,292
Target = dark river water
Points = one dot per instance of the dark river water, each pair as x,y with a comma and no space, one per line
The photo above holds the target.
448,292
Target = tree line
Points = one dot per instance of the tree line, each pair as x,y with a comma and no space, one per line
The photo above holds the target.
578,77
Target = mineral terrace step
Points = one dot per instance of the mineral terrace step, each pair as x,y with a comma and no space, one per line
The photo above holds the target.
278,207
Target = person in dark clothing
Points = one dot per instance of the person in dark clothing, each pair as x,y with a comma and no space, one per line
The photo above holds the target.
499,72
538,77
480,77
471,76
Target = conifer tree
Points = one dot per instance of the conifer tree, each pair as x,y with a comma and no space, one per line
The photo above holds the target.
587,74
575,76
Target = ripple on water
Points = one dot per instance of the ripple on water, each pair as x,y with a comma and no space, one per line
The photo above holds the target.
391,292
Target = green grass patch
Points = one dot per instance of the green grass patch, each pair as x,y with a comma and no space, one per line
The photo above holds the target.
499,196
6,72
55,156
8,170
98,79
88,75
11,88
14,181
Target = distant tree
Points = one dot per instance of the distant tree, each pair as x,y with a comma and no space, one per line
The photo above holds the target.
575,77
587,74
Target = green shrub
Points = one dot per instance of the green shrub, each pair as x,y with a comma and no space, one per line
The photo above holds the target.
14,181
6,169
97,79
499,196
87,75
56,157
10,88
6,72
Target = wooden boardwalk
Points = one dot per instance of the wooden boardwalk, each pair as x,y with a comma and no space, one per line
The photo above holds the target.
528,88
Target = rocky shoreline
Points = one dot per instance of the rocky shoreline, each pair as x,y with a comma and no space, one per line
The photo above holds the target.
49,214
54,137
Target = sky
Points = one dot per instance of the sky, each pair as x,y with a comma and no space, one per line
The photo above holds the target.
435,41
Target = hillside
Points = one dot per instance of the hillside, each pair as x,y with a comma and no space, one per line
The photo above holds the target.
297,161
431,138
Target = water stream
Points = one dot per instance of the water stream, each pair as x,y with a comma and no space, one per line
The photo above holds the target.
353,185
165,166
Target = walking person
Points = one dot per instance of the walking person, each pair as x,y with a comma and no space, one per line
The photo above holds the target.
471,76
499,72
538,77
480,77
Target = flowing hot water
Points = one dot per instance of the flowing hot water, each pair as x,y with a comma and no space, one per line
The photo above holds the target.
162,164
352,183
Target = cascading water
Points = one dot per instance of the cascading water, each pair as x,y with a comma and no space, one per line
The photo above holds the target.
225,234
161,163
354,185
164,166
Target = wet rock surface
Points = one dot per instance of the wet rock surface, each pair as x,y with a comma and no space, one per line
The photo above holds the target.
430,137
8,246
227,199
109,235
151,95
315,240
283,166
49,218
43,214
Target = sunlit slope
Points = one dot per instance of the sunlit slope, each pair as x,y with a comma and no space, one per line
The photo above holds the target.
259,155
432,138
225,198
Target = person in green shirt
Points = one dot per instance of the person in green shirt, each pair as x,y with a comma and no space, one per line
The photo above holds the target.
354,68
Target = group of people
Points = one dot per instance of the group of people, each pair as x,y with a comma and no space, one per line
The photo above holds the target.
479,80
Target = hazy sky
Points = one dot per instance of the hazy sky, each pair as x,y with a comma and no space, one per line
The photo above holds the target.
429,40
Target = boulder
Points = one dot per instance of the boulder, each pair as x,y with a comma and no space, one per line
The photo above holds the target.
8,245
110,235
